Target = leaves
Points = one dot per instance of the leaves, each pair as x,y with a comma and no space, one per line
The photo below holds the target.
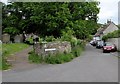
51,18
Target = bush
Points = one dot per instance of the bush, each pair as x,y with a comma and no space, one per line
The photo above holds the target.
89,38
68,36
34,57
49,38
57,58
73,41
114,34
29,40
76,51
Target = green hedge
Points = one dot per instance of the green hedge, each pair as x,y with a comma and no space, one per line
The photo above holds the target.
114,34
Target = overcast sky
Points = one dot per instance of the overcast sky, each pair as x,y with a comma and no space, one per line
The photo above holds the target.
108,10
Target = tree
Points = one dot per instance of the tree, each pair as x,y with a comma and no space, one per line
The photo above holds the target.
51,18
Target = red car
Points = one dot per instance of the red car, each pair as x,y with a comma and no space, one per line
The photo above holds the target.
109,47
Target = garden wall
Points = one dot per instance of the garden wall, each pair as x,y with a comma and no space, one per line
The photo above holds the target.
115,41
52,48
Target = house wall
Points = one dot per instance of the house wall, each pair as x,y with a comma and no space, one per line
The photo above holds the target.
112,27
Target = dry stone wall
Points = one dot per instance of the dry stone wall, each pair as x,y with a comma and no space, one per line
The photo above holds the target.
52,48
115,41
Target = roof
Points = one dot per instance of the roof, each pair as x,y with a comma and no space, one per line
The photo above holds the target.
103,28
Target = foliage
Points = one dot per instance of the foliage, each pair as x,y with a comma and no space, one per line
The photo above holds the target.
76,51
29,40
9,49
90,37
68,36
114,34
5,64
58,58
34,58
51,19
11,30
49,38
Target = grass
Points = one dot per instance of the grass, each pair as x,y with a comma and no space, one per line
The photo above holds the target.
34,58
57,58
10,49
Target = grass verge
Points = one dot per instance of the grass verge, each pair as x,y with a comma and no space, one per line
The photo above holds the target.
9,49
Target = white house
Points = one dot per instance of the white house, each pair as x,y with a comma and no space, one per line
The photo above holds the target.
106,28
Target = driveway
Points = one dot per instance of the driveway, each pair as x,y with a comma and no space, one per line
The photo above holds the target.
91,66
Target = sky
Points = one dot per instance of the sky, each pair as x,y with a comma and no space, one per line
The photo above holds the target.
108,10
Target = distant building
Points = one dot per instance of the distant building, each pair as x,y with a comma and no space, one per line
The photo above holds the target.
106,28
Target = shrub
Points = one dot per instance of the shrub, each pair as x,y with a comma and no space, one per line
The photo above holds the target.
30,40
76,51
114,34
49,38
59,58
68,36
73,41
34,57
89,38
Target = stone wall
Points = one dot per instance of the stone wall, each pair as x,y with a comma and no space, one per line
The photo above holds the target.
18,38
52,48
115,41
5,38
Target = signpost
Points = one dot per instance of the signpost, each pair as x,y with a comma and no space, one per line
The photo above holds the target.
50,49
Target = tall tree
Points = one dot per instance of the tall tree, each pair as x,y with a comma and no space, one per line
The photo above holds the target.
51,18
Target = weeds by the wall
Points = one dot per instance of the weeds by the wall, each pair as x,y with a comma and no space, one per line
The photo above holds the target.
34,57
57,58
5,65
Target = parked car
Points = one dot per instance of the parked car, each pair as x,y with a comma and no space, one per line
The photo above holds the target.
96,38
100,44
109,47
94,41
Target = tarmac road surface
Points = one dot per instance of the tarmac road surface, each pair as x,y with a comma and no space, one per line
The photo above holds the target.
91,66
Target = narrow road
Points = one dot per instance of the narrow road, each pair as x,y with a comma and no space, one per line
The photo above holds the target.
91,66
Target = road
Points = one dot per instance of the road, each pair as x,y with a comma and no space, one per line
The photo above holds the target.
91,66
